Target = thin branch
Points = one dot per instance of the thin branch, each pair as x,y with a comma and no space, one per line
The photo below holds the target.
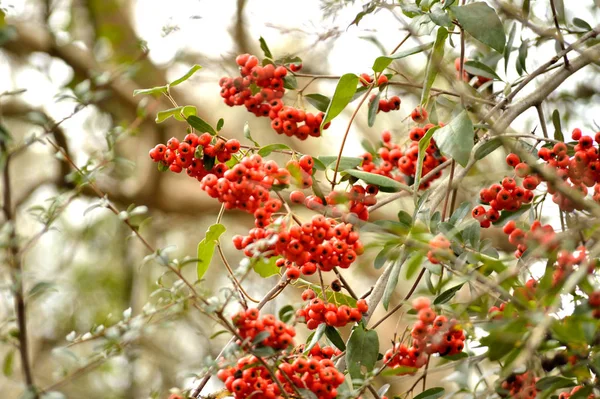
16,267
561,40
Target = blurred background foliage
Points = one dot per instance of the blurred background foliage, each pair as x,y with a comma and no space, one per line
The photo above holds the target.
69,68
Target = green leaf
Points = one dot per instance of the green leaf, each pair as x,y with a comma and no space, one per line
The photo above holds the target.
390,287
558,134
487,148
290,82
268,149
460,213
434,63
7,364
431,393
344,91
505,216
472,234
440,18
362,351
319,101
332,296
206,248
345,162
177,113
555,382
200,125
316,336
423,144
456,139
373,108
480,69
335,338
413,263
286,313
266,267
307,394
526,8
153,90
481,21
580,23
384,183
265,48
509,44
522,58
447,295
186,76
220,124
384,61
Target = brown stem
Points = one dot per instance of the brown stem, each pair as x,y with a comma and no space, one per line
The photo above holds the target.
540,113
561,40
345,283
337,163
114,210
445,209
16,268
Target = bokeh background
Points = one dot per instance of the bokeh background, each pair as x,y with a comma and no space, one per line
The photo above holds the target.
87,271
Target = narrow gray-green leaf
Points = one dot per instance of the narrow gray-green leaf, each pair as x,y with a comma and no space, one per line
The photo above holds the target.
200,125
509,44
187,75
480,69
373,108
179,113
319,101
265,48
316,336
558,134
456,139
344,91
268,149
206,248
431,393
423,144
384,183
392,282
384,61
433,65
481,21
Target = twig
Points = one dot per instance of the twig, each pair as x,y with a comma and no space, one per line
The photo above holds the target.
345,283
540,113
406,298
561,40
16,267
337,163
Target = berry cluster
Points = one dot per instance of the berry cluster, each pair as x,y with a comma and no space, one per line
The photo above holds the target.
565,262
580,171
196,154
246,186
249,326
268,101
386,104
302,170
251,379
431,334
321,243
439,248
519,386
506,196
396,164
318,312
542,236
